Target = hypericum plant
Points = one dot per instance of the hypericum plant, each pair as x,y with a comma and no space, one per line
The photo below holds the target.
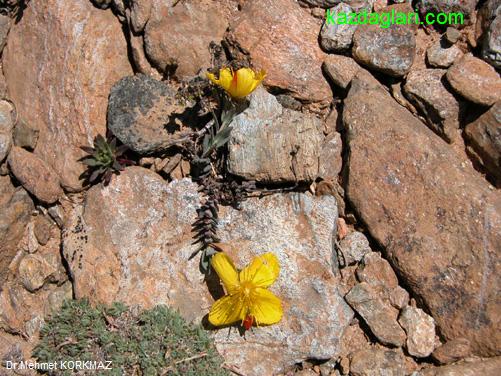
154,342
104,160
247,300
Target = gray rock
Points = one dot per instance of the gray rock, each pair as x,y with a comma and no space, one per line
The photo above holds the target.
330,159
337,37
5,22
376,271
340,69
379,361
426,91
399,297
6,125
484,136
475,80
467,7
145,115
379,315
491,46
452,35
354,247
420,329
273,144
442,55
132,242
25,135
389,50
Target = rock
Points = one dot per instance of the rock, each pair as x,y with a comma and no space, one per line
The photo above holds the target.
441,55
274,144
452,351
426,91
487,367
140,11
420,329
452,35
177,39
354,247
475,80
330,159
3,85
25,135
145,115
389,50
42,229
76,52
376,271
5,23
34,271
135,236
399,297
491,46
354,339
15,213
379,361
484,136
340,69
445,258
379,315
337,37
35,175
295,64
6,125
331,122
467,7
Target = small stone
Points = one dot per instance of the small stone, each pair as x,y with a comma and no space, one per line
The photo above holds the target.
42,229
399,297
274,144
34,270
57,214
452,351
452,35
442,56
6,117
25,136
379,316
425,90
484,367
144,114
5,145
475,80
337,37
484,136
35,175
354,247
376,271
330,123
388,50
330,159
379,361
491,46
420,329
340,69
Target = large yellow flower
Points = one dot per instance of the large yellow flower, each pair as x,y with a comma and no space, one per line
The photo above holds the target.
247,299
238,84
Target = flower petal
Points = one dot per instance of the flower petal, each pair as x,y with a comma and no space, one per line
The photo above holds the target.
266,307
226,271
227,310
244,82
262,271
225,78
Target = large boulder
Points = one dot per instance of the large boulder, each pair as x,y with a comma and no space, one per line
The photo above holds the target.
437,218
132,242
60,63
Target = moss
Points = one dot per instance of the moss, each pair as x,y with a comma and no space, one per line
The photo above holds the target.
152,342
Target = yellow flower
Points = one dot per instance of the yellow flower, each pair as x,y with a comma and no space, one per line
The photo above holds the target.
247,299
238,84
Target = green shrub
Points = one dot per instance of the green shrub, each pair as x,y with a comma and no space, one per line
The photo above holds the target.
153,342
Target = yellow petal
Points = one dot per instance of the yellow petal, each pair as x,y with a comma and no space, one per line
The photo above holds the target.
244,83
227,310
262,271
226,271
225,78
266,307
